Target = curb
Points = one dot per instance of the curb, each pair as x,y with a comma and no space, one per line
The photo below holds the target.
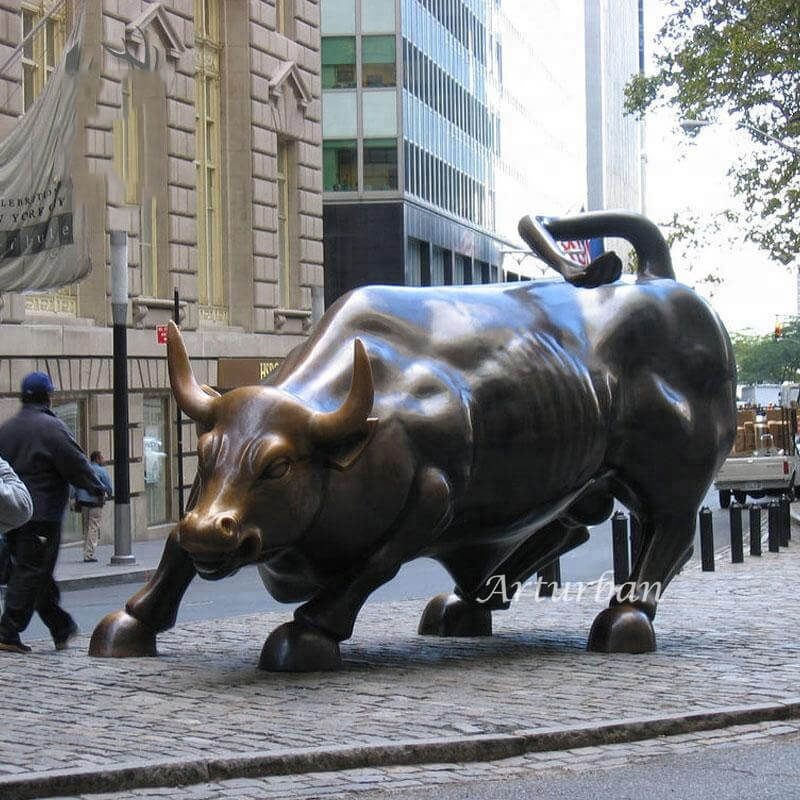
104,579
486,747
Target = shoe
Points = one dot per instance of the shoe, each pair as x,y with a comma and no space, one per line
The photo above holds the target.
62,644
14,646
87,560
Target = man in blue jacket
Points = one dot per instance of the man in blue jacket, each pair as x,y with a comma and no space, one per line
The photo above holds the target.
92,506
43,453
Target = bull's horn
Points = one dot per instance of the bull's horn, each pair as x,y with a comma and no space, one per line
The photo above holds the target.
191,399
351,416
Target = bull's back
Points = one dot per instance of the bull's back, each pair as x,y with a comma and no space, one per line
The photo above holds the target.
513,388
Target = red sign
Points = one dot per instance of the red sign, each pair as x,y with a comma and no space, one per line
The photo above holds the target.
161,334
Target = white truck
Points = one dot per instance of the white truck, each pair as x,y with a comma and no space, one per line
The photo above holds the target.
765,469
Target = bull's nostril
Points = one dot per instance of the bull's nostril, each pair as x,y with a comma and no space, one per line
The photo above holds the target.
226,524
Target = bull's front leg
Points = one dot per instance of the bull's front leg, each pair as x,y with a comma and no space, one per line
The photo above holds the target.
311,641
132,631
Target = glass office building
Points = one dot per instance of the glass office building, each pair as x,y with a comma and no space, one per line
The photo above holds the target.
443,123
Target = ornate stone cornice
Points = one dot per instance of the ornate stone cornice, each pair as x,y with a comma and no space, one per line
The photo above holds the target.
289,74
156,16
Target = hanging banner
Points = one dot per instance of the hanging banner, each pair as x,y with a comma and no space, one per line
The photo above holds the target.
41,241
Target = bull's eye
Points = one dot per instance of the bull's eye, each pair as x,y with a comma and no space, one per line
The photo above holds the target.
276,469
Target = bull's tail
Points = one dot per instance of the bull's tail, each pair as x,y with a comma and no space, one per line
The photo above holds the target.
652,250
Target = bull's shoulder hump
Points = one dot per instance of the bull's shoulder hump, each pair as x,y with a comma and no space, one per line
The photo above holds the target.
389,309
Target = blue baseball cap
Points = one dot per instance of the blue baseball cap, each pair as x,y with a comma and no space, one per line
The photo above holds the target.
36,383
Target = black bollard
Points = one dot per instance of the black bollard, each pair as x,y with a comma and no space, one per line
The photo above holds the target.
737,546
786,520
619,546
550,578
755,529
774,526
636,539
706,539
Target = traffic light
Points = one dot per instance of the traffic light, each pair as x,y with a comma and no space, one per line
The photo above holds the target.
778,331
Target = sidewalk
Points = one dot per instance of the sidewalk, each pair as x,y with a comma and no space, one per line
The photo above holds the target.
728,654
73,573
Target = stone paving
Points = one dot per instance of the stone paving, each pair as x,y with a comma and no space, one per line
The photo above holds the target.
402,781
727,638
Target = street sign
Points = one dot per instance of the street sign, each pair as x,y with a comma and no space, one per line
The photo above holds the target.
161,334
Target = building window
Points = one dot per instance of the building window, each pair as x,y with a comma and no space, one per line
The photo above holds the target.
156,463
437,266
377,16
284,226
338,62
380,164
378,61
126,145
148,249
462,270
207,120
284,17
339,16
413,266
340,168
41,52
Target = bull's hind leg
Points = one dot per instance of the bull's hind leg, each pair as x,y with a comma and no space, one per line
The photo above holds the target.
627,626
154,608
311,641
467,611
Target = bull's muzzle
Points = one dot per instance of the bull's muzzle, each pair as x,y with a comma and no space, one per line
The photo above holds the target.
216,542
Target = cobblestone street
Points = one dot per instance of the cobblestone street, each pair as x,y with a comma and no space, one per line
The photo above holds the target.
726,639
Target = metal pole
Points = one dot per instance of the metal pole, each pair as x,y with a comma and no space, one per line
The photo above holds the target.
706,539
786,520
619,547
737,546
550,578
122,484
179,422
774,526
755,530
636,539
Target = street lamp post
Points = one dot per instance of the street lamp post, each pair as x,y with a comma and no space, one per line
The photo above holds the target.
694,124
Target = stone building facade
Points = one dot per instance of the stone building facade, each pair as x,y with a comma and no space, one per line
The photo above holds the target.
201,122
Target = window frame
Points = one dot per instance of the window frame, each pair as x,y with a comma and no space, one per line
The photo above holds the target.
207,76
36,59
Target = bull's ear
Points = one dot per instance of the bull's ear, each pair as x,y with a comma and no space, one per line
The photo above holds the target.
342,456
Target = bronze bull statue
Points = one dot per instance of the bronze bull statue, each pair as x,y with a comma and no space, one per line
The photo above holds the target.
482,426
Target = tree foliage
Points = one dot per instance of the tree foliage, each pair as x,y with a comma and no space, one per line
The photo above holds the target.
739,58
765,359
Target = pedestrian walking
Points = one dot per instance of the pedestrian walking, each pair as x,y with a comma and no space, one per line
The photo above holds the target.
43,453
16,508
91,506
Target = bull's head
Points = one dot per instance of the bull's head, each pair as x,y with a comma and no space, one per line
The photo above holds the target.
261,462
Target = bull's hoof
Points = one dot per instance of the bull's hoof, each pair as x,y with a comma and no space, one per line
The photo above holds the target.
119,635
451,615
622,629
297,647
